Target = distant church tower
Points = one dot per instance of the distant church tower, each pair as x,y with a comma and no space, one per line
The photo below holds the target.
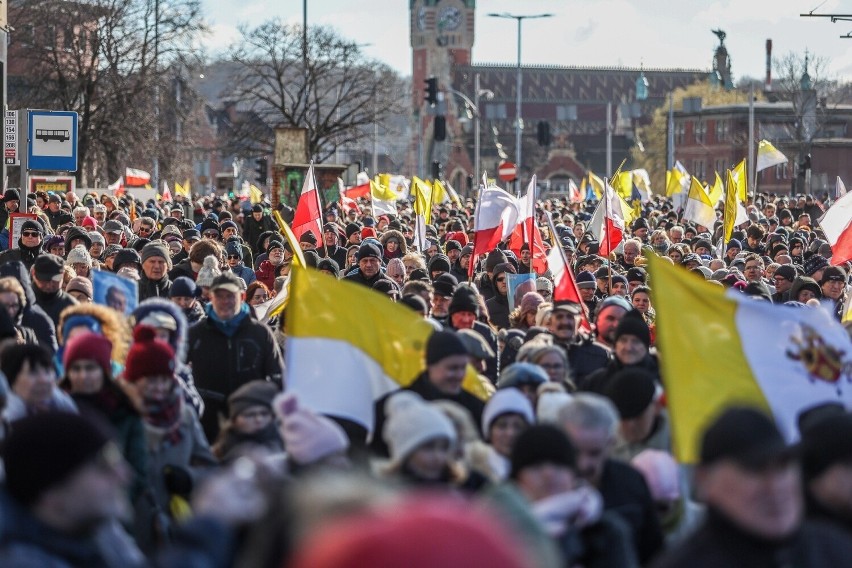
441,38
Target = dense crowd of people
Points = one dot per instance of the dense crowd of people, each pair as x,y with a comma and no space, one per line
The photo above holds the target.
159,430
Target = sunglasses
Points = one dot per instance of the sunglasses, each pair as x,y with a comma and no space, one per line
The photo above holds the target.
234,257
501,279
211,234
31,234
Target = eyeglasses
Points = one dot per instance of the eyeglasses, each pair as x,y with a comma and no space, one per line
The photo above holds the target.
502,279
31,234
146,229
234,257
262,298
212,234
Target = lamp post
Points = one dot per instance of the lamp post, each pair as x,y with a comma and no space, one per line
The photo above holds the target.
518,123
473,107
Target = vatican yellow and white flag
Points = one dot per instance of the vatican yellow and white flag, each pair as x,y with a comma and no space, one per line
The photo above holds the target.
721,348
768,156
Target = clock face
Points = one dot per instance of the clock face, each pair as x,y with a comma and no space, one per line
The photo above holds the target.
449,18
421,19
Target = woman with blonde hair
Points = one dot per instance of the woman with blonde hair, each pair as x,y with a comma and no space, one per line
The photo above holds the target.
551,358
94,318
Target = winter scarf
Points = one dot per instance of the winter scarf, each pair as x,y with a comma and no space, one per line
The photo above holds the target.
164,416
229,328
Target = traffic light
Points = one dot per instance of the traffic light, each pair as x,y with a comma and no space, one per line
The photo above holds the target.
437,170
805,166
432,91
261,171
440,128
544,133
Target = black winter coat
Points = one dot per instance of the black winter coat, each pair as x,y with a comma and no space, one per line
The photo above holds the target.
625,492
33,317
222,364
498,311
152,289
720,543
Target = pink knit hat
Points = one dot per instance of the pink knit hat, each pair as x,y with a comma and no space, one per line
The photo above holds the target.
308,437
660,472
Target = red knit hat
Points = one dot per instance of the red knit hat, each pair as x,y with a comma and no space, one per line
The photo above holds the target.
148,356
89,345
367,232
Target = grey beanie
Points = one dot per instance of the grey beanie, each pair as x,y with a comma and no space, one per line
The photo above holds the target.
156,248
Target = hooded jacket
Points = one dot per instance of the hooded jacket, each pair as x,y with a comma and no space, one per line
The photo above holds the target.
401,250
33,315
178,342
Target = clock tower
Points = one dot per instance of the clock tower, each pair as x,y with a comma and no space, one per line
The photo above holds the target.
441,38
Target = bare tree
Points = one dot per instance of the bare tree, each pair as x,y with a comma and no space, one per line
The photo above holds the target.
331,89
106,60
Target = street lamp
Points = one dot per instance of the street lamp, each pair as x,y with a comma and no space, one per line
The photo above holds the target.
473,107
518,123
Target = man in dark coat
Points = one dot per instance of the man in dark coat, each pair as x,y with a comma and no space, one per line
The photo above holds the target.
154,281
56,216
29,245
33,316
751,482
498,305
331,245
591,421
46,273
446,366
228,349
369,265
255,225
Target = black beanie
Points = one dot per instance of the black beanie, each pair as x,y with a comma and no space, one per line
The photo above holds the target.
44,450
464,300
443,344
540,444
253,393
825,443
439,262
494,258
634,324
330,265
631,390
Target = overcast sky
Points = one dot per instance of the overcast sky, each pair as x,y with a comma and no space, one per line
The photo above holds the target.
658,33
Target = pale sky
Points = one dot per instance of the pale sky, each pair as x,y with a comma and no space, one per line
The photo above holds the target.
658,33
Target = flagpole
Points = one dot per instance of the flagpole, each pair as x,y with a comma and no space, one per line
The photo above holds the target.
606,234
471,267
552,228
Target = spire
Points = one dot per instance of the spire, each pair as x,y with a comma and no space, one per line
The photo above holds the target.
805,82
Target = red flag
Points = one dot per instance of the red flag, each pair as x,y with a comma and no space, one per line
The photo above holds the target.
136,178
357,191
841,251
495,218
308,215
612,227
564,284
527,233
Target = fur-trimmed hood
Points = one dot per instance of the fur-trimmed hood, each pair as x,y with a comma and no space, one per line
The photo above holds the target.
151,305
403,246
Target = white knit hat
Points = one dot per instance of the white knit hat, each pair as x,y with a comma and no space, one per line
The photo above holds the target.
506,401
411,423
79,254
208,272
308,437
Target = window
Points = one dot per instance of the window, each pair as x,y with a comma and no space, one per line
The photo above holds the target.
68,39
720,167
27,34
84,39
678,133
566,112
782,171
700,131
721,130
50,36
698,169
495,111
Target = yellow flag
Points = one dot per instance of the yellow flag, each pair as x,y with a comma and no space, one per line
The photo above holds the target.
422,198
381,191
673,182
730,206
439,192
182,189
255,194
283,298
623,184
715,192
741,177
378,347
